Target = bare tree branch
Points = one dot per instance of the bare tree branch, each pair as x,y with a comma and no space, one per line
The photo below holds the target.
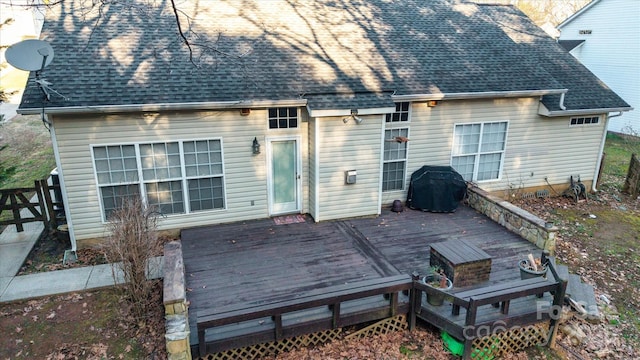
184,38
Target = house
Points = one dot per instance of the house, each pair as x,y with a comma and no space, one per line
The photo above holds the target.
605,37
305,107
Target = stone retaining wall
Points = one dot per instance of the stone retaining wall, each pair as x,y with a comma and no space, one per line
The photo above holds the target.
176,308
517,220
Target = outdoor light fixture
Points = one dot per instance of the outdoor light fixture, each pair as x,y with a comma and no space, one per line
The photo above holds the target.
354,116
255,146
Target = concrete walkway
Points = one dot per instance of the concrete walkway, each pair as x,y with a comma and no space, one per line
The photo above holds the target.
14,249
66,281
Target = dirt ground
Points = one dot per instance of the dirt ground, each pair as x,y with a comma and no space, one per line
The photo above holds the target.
88,325
600,241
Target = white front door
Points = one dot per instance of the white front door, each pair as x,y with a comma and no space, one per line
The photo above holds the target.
284,175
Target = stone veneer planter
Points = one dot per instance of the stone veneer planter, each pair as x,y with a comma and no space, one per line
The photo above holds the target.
514,219
176,308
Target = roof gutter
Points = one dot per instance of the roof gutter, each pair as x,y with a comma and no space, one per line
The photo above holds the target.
582,111
478,95
218,105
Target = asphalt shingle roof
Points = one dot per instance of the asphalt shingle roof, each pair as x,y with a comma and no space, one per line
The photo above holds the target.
301,49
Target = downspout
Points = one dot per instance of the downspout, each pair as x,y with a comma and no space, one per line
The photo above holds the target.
599,162
63,188
561,104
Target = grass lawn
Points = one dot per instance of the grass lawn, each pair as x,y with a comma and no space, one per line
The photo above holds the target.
26,152
618,150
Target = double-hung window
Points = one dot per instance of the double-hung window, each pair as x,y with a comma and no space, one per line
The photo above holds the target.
394,159
395,148
478,150
173,177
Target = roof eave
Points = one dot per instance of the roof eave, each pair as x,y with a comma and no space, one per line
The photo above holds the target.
576,14
217,105
478,95
347,112
543,111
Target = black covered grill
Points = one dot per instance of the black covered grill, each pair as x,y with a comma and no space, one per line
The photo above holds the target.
436,189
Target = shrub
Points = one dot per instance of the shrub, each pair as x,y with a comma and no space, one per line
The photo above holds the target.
132,242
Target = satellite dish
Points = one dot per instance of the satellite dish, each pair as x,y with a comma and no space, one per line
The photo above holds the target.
29,55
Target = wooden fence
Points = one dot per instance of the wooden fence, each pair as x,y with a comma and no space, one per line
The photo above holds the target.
14,200
632,183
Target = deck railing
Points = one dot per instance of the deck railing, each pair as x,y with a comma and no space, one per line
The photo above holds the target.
384,302
500,296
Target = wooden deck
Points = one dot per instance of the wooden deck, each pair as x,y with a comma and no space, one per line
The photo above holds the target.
258,263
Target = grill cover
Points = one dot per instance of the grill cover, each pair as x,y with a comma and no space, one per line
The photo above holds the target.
436,189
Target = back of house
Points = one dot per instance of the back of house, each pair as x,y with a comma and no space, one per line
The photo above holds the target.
254,109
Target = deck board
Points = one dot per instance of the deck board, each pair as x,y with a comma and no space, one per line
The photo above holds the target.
257,262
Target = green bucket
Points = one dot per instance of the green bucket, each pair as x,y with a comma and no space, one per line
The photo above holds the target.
452,344
456,347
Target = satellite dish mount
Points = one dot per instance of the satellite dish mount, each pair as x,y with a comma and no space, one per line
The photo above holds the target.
33,55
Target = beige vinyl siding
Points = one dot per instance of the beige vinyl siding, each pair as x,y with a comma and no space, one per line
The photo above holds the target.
535,144
345,147
244,173
312,179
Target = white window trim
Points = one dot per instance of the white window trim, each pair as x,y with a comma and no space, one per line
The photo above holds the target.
477,154
583,124
400,123
141,182
405,160
298,117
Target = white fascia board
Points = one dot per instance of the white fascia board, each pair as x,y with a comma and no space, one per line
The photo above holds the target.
577,14
219,105
543,111
347,112
478,95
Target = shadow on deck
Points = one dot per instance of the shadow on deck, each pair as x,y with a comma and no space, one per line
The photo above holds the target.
256,281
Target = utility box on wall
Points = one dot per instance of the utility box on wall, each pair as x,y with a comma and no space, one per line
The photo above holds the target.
350,176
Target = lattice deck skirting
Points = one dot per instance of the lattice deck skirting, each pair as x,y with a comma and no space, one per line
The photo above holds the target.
271,348
486,347
275,347
510,341
388,325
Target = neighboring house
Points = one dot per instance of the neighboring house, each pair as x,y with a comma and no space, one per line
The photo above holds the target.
605,37
326,88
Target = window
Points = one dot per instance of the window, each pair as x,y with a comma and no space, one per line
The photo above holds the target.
174,177
478,150
401,113
585,121
283,118
394,159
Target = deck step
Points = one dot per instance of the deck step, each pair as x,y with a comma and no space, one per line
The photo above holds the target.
573,284
587,298
584,295
563,271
